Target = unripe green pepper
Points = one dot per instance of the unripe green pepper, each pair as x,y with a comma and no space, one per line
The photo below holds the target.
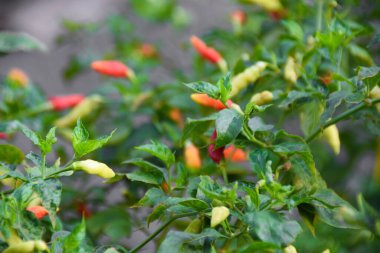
194,227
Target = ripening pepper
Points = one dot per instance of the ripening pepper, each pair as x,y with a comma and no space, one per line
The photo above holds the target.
112,68
216,154
218,215
192,156
27,247
326,79
81,110
165,187
331,135
176,115
290,249
262,98
290,71
268,5
239,17
205,100
60,103
147,50
234,154
208,53
94,167
83,209
39,211
375,93
249,75
18,77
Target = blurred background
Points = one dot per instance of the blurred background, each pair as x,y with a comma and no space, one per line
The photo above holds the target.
43,19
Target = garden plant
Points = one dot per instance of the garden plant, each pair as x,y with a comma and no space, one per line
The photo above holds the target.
252,149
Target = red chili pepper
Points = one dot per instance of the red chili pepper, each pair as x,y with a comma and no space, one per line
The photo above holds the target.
239,17
60,103
112,68
206,52
205,100
215,154
327,78
83,209
39,211
3,136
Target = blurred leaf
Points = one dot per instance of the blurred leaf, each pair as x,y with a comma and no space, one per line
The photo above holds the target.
11,154
369,75
294,29
13,42
225,87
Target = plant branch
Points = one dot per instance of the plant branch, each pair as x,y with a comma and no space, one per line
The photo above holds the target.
342,116
159,230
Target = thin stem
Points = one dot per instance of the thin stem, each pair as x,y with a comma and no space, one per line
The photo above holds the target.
319,15
43,166
222,167
64,169
343,116
252,138
159,230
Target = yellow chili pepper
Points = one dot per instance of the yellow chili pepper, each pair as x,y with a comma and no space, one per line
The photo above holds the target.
375,93
290,249
94,167
249,75
290,71
262,98
331,135
269,5
218,215
26,247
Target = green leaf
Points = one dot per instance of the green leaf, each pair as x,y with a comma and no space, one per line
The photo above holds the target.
256,124
30,134
294,29
196,204
361,54
74,241
272,227
258,247
115,222
310,116
225,87
259,158
11,154
369,75
335,211
298,97
195,127
13,42
228,125
50,191
147,175
181,242
204,87
81,143
152,197
160,151
46,145
374,41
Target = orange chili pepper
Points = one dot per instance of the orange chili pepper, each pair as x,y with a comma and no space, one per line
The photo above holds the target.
148,50
239,17
176,115
112,68
205,100
18,77
39,211
235,154
192,156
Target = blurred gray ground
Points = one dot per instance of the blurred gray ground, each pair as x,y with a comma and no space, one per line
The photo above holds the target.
42,18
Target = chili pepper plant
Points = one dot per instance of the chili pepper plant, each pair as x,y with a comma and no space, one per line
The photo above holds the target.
255,148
